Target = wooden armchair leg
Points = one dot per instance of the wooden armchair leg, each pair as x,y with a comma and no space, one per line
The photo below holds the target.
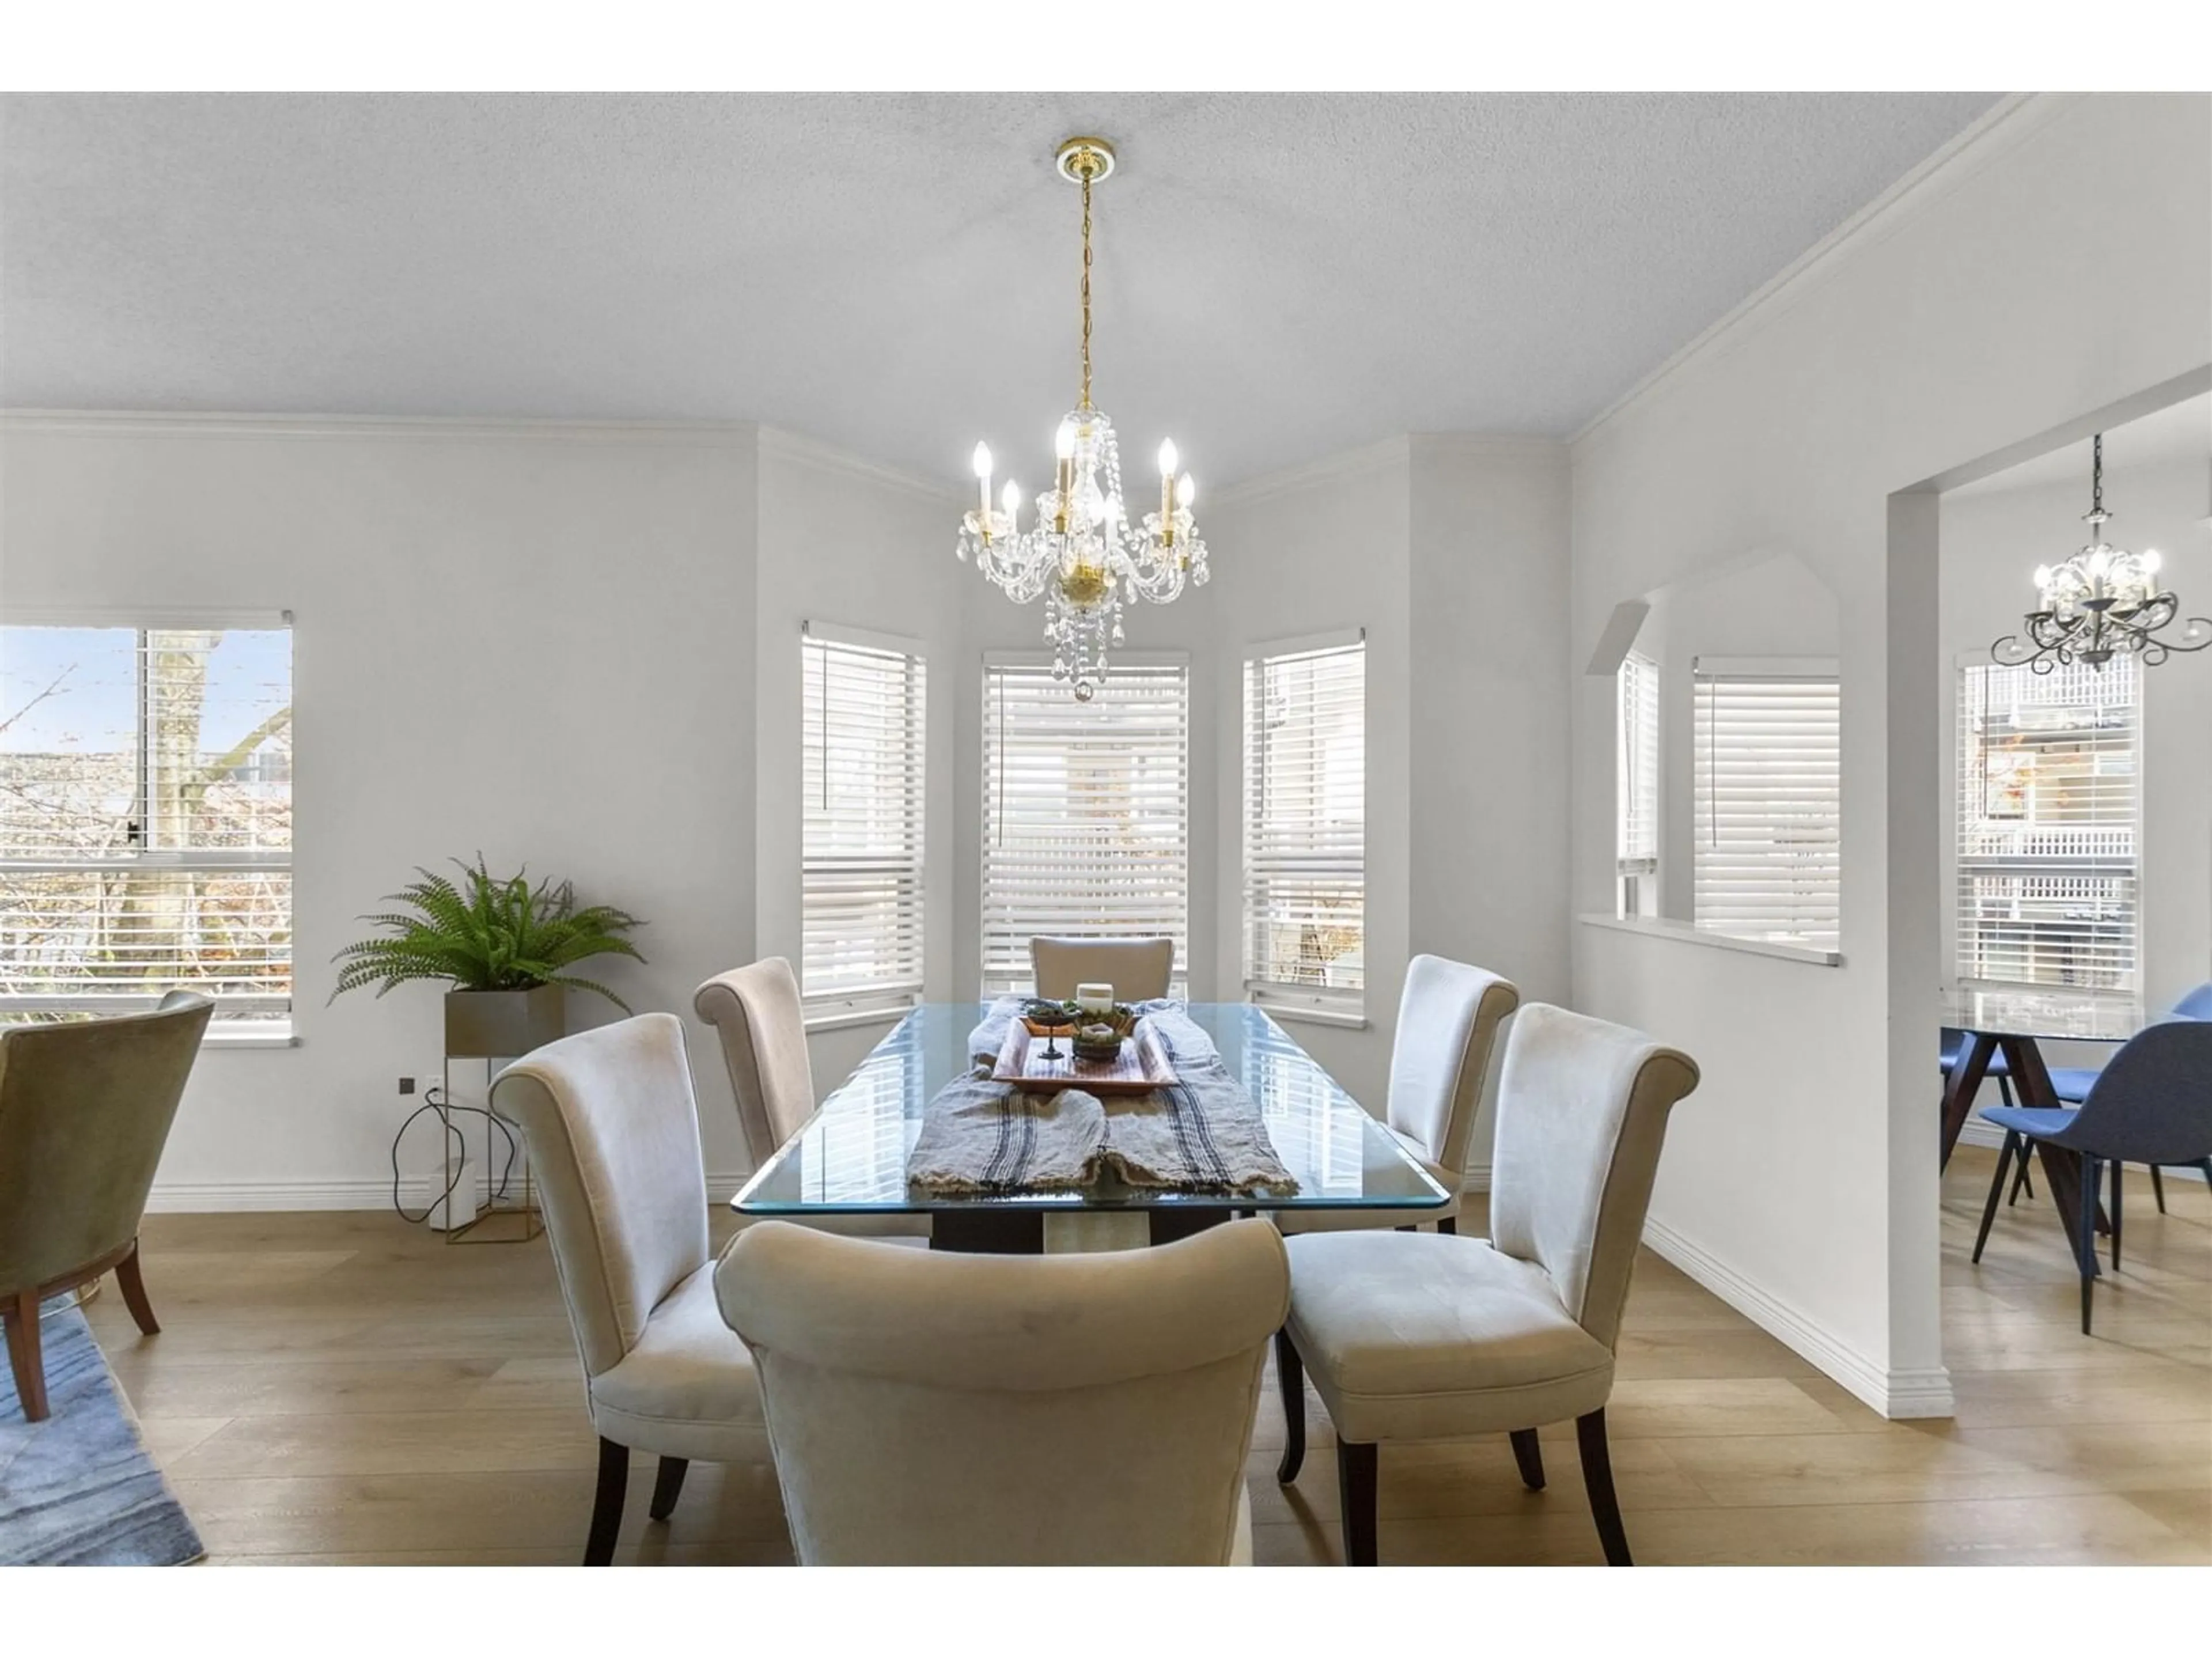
1597,1480
20,1315
667,1486
1291,1378
1530,1455
607,1507
133,1286
1356,1468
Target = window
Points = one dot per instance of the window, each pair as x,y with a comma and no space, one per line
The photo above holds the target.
1636,787
146,821
2049,796
861,852
1767,802
1085,809
1305,825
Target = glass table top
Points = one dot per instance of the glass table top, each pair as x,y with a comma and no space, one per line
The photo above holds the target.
2075,1016
851,1155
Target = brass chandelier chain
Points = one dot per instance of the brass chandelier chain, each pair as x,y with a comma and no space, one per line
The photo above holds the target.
1085,403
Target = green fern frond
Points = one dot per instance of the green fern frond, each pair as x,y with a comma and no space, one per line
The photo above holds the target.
485,932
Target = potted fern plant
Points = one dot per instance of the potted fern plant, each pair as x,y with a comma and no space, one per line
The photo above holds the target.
504,948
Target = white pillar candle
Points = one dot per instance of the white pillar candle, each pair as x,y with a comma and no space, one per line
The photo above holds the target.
1095,999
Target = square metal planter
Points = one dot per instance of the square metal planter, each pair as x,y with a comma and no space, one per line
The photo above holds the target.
503,1024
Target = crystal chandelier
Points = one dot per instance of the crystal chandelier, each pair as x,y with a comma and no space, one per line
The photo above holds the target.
2104,601
1084,555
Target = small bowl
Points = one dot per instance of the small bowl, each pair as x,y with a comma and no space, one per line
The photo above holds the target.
1090,1043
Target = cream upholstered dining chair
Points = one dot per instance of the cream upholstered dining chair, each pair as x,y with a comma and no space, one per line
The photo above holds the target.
1417,1336
757,1013
1139,970
1448,1019
613,1132
947,1409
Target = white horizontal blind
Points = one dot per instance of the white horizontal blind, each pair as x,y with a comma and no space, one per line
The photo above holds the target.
1636,772
1768,806
1305,821
2050,800
862,775
1086,811
146,819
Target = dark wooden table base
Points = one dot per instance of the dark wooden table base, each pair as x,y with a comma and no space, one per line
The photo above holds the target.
2031,1082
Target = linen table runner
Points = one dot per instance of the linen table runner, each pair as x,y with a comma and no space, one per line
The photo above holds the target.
1203,1134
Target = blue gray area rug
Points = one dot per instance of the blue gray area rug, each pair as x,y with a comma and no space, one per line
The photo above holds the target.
78,1489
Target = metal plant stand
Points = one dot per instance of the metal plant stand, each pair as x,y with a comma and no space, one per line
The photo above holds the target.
497,1027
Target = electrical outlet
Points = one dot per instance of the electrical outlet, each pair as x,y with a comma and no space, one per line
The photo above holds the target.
406,1085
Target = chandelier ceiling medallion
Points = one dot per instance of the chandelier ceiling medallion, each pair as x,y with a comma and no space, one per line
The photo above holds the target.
2104,601
1083,554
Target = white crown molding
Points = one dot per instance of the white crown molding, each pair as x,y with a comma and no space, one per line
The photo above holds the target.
1370,458
1894,1394
156,424
1513,447
813,452
2010,121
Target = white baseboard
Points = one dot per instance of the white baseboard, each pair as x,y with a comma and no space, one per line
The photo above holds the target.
1894,1394
187,1197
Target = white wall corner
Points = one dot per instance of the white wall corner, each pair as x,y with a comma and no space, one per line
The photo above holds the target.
827,457
1894,1394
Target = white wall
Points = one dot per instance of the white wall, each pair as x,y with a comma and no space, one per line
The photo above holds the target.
845,543
533,641
1970,313
1451,550
1323,550
553,643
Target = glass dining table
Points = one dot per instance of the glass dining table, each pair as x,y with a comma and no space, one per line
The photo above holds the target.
2012,1023
850,1157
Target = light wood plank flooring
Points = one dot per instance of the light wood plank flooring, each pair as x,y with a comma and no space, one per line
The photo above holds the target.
345,1387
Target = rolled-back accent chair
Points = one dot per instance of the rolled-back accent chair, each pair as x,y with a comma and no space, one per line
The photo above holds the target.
614,1143
950,1409
1139,970
1420,1336
2151,1104
1448,1019
85,1111
761,1023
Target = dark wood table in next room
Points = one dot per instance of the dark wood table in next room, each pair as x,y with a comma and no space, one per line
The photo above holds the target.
2009,1023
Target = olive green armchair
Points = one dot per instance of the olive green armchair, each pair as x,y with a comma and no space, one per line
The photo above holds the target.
85,1110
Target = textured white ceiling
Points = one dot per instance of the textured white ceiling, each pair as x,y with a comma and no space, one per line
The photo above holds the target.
1279,276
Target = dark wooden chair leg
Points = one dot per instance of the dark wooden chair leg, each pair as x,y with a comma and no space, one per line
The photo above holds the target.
2158,1189
1989,1210
1530,1456
1449,1225
667,1486
133,1286
2086,1239
2118,1169
1355,1481
1597,1480
20,1317
1291,1378
607,1506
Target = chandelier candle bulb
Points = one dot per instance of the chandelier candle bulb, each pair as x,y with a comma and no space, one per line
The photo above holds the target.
982,460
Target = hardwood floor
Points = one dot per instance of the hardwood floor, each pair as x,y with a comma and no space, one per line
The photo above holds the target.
345,1387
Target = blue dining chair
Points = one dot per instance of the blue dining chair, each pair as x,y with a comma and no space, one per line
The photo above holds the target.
2072,1083
2151,1104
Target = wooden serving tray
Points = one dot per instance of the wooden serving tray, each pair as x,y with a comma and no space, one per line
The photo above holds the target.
1142,1068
